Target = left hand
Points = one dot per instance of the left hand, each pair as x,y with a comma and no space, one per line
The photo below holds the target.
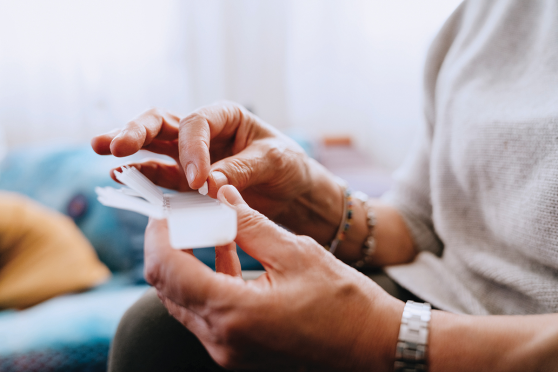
308,311
223,144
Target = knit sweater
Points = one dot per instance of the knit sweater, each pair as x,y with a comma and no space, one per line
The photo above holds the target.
479,193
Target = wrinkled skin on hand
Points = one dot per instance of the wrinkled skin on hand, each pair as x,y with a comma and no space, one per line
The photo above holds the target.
309,311
221,143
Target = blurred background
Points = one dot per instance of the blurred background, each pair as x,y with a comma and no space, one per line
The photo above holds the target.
342,77
72,69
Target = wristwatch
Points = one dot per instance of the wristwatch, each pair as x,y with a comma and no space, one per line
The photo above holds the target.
410,355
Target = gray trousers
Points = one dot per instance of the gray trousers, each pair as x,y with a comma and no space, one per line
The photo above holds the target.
149,339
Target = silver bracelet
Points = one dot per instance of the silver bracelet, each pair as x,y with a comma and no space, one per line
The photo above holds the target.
369,245
410,355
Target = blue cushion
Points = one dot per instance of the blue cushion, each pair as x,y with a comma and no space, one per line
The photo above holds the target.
66,320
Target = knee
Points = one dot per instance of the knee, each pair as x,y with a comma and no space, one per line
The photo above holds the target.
139,330
148,338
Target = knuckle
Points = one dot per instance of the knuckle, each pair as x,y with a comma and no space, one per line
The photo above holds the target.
309,249
274,153
154,112
227,106
307,242
196,144
347,289
240,171
135,129
197,128
200,115
152,272
228,110
133,124
250,219
192,119
276,157
284,159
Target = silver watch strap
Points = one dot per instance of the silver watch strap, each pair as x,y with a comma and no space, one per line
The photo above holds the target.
410,355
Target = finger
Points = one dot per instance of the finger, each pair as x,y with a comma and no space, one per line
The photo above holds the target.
226,260
215,181
101,143
262,239
164,174
141,131
168,148
229,122
182,277
247,168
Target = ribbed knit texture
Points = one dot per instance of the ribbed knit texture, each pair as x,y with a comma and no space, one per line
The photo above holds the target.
480,191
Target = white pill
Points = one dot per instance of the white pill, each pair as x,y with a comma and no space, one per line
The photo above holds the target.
204,189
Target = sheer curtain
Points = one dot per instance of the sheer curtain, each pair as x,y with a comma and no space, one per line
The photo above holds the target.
69,70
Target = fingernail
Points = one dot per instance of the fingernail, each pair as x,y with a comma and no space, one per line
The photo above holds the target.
191,173
220,179
232,196
204,189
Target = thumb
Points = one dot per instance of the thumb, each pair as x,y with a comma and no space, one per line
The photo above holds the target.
257,235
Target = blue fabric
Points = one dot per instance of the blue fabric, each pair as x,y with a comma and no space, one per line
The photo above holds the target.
66,320
66,333
91,356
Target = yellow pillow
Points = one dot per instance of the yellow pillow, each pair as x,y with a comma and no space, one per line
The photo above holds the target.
42,254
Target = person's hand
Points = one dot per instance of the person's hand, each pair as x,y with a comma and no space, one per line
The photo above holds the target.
308,311
223,144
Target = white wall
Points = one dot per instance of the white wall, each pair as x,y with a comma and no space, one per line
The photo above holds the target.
73,69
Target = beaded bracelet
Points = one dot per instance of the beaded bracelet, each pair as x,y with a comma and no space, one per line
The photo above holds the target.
369,245
346,221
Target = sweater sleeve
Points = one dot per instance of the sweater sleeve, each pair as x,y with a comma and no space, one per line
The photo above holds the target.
411,194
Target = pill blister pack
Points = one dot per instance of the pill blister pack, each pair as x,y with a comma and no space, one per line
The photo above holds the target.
194,220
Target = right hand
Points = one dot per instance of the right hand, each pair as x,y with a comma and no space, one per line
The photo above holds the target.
221,143
308,311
